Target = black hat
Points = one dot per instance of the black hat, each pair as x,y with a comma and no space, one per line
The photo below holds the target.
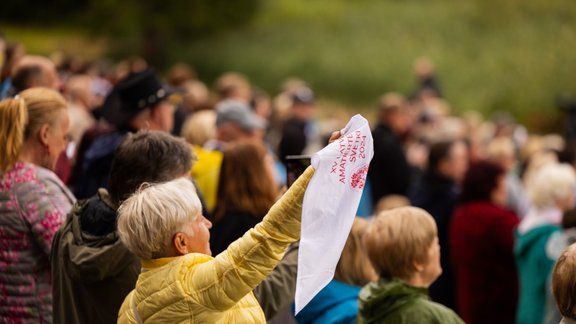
132,95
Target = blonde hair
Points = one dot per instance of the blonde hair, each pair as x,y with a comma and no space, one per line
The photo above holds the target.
148,220
200,127
354,267
13,119
501,148
397,238
564,283
552,182
21,118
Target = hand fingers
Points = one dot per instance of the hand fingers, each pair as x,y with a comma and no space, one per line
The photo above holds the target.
334,136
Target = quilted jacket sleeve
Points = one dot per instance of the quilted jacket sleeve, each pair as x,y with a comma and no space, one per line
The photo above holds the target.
222,282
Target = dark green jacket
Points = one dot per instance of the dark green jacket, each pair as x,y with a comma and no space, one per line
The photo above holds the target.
92,270
394,301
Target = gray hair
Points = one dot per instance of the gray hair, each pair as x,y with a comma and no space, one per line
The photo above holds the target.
148,220
552,182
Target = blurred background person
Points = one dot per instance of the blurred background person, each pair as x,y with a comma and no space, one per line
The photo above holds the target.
299,133
390,202
34,203
234,86
246,191
139,101
190,94
199,128
78,89
502,151
13,52
35,71
234,121
389,172
402,244
551,192
437,193
485,274
426,80
3,59
338,301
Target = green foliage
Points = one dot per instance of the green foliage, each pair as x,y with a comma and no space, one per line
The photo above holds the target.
490,55
146,27
152,27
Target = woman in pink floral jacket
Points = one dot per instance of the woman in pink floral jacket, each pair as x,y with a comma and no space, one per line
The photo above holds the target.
33,201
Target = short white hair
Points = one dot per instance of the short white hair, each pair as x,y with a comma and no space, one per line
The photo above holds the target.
552,182
148,220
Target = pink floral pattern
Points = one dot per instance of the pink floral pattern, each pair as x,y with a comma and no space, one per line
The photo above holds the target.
33,205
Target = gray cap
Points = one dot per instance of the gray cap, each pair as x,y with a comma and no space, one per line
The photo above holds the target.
238,112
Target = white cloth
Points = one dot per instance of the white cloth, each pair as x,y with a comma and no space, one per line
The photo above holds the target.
330,205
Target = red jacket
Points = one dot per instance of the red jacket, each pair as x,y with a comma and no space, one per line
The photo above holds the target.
482,242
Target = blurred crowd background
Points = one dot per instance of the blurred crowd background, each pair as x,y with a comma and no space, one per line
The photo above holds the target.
492,56
472,106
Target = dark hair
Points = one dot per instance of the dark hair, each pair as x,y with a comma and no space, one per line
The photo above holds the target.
480,180
147,156
569,219
568,154
23,77
438,152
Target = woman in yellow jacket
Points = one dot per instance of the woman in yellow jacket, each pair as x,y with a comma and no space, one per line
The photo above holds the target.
180,282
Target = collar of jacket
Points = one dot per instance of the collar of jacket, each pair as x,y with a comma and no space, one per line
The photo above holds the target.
151,264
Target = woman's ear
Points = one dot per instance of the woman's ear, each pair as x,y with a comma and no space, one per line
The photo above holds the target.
43,134
179,243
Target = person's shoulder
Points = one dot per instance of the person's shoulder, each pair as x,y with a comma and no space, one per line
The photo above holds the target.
104,145
26,178
432,312
47,176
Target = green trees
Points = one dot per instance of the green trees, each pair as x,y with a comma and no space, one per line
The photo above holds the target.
148,27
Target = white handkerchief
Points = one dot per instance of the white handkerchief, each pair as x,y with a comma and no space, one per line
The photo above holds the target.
330,205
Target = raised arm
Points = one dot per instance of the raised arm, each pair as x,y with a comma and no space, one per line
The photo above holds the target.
221,283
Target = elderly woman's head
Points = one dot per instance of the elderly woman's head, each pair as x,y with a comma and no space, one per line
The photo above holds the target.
403,243
164,220
34,126
553,186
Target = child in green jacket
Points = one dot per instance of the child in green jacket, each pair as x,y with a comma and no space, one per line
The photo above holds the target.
402,244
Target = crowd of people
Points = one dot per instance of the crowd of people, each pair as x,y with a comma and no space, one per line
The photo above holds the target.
127,197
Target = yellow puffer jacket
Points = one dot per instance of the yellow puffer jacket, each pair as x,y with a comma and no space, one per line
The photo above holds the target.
197,288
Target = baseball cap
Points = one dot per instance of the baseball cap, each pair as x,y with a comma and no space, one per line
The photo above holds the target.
238,112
